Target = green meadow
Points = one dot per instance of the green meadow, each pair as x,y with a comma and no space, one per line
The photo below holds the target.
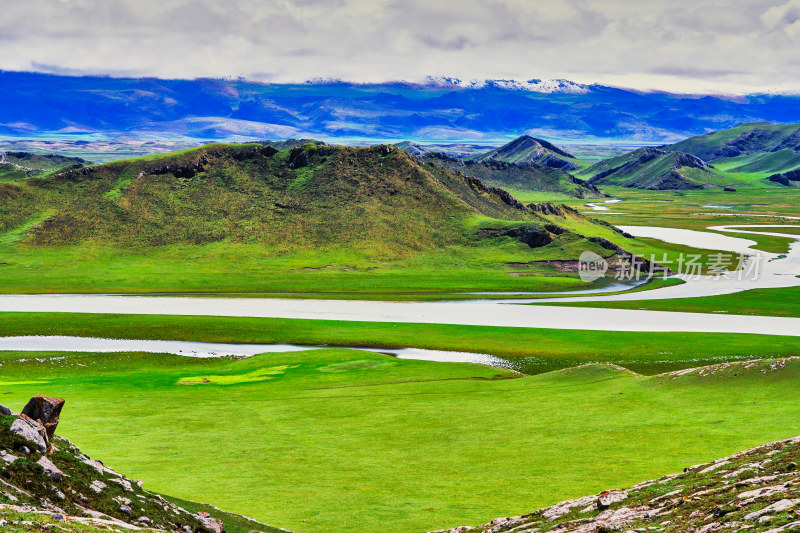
341,440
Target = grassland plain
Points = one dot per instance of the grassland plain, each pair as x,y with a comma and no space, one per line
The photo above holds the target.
700,209
396,444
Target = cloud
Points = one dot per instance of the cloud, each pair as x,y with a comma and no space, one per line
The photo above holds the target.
683,45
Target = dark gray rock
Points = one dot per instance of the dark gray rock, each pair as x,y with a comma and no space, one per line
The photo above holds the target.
5,411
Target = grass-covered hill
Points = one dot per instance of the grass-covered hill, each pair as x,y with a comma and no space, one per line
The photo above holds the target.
755,490
515,167
189,219
527,149
63,489
374,198
653,168
757,147
517,177
20,165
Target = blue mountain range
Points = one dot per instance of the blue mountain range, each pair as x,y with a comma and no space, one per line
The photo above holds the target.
443,109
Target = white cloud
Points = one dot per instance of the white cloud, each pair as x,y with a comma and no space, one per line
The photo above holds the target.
684,45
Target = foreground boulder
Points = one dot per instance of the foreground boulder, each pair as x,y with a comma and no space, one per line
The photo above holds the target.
46,410
756,490
5,410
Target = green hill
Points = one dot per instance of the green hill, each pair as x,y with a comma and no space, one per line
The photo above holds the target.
412,148
307,196
251,217
757,147
527,149
652,168
20,165
524,177
520,176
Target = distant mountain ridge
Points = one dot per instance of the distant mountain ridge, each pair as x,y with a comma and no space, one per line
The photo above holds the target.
525,164
20,165
756,147
527,149
35,104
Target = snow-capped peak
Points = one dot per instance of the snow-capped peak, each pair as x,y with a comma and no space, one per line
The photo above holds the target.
533,85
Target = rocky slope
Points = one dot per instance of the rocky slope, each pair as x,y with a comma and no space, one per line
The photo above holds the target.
521,175
741,140
48,484
654,169
528,177
790,178
756,147
757,490
21,165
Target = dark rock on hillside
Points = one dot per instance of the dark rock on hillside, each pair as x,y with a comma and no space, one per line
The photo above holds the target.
184,171
729,189
548,208
46,410
504,195
269,151
298,158
532,235
5,410
786,178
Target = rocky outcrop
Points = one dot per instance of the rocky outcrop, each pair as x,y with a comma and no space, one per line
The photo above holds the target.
5,411
75,492
30,431
534,236
556,210
757,490
787,179
46,410
183,170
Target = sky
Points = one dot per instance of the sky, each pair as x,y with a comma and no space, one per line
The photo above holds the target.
689,46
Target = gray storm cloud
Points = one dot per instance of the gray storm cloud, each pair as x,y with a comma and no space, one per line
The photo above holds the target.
681,45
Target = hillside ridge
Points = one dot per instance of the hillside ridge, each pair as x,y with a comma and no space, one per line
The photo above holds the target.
755,490
654,169
47,483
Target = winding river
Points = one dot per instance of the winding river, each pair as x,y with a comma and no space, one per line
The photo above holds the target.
776,271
